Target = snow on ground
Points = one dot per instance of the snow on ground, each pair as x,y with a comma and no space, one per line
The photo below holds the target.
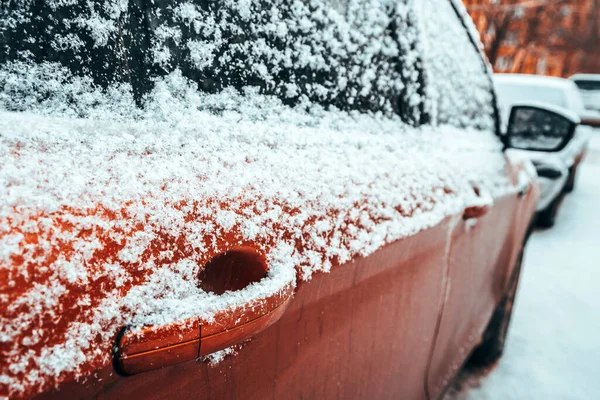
553,347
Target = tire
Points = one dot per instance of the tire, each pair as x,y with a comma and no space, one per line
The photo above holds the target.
492,345
547,218
570,186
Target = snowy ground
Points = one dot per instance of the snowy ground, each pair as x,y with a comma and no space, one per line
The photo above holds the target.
553,349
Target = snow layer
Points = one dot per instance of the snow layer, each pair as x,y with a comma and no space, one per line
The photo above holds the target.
106,223
302,129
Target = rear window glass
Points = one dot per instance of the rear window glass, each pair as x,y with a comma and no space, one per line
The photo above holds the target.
349,54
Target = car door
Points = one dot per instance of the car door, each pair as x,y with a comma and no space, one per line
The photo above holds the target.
364,329
484,242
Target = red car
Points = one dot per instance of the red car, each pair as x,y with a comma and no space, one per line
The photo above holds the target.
235,199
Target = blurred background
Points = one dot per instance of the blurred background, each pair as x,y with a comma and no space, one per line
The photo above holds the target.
545,37
553,349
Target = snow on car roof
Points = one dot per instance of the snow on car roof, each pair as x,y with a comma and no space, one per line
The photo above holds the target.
533,80
512,88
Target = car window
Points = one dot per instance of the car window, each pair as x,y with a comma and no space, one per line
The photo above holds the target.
588,85
350,54
458,85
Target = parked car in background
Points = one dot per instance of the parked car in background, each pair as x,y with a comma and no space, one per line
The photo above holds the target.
558,92
255,199
589,88
552,174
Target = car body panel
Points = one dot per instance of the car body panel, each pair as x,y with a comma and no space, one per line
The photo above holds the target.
346,334
559,92
366,329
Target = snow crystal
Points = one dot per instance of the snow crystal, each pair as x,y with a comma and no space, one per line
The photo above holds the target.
218,356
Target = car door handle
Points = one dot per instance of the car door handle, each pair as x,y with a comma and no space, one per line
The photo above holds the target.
152,347
475,211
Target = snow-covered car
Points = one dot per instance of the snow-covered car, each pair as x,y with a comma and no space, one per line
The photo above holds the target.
274,199
558,92
589,88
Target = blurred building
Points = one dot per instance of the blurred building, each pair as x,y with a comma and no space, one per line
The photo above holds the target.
550,37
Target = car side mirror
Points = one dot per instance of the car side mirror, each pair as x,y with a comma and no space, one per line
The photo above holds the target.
540,127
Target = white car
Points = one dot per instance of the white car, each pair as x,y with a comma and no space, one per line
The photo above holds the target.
589,88
517,88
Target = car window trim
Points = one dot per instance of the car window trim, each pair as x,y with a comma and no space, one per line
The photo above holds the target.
487,71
